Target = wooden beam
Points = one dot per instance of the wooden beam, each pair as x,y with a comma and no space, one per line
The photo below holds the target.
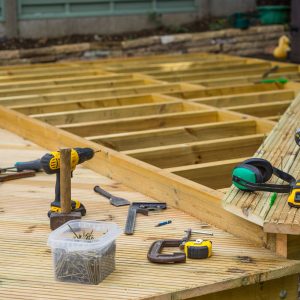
178,66
140,123
199,152
273,118
99,93
170,136
53,75
241,80
263,110
62,81
92,84
95,114
249,98
216,75
221,91
219,66
293,247
281,244
262,125
198,74
216,175
194,199
63,106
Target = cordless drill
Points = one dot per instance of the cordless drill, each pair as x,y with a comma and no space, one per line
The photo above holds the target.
50,163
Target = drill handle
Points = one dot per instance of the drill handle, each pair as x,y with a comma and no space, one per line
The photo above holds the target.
34,165
57,190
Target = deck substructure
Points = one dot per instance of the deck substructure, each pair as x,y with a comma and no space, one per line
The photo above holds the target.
172,127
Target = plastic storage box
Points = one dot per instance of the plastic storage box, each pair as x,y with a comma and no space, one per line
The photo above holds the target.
84,251
273,14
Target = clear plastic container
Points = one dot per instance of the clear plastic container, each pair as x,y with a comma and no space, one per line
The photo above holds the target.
84,251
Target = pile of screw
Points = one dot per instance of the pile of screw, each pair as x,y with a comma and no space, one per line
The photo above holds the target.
90,267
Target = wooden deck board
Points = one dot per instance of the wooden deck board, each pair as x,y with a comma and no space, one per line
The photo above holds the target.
281,150
26,262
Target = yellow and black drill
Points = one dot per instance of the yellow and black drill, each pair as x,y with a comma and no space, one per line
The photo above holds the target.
50,163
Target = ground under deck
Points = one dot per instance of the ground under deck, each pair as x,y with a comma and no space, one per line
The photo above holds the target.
26,266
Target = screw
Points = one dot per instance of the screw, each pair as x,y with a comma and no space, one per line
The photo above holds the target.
283,294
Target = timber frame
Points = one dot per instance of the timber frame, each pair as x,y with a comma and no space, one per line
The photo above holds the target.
171,127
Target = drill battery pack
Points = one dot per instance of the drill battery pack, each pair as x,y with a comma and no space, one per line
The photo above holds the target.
198,249
76,206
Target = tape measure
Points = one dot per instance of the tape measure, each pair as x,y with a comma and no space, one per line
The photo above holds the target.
198,249
294,196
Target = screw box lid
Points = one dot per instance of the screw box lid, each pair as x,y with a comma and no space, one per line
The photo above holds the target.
64,237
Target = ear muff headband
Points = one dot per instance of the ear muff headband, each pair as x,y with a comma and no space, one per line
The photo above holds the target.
245,178
265,187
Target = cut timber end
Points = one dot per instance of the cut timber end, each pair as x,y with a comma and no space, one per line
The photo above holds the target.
58,219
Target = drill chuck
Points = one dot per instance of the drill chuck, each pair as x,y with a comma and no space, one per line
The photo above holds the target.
84,154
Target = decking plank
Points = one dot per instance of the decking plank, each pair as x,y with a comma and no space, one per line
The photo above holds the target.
281,150
27,271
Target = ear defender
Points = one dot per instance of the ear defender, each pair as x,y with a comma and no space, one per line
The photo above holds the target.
252,174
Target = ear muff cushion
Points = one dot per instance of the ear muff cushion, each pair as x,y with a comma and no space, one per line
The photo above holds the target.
248,173
264,166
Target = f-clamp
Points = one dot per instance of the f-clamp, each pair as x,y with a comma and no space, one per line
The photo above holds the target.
193,249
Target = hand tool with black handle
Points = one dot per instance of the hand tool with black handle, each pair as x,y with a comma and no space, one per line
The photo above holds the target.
116,201
154,254
142,208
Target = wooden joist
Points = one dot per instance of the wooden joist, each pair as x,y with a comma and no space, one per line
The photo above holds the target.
198,152
215,175
222,91
174,136
94,114
63,106
141,123
93,93
249,98
263,110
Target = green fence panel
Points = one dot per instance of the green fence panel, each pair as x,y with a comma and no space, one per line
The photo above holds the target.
39,9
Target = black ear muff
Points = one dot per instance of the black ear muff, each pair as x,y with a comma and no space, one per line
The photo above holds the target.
244,173
265,168
252,174
256,171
